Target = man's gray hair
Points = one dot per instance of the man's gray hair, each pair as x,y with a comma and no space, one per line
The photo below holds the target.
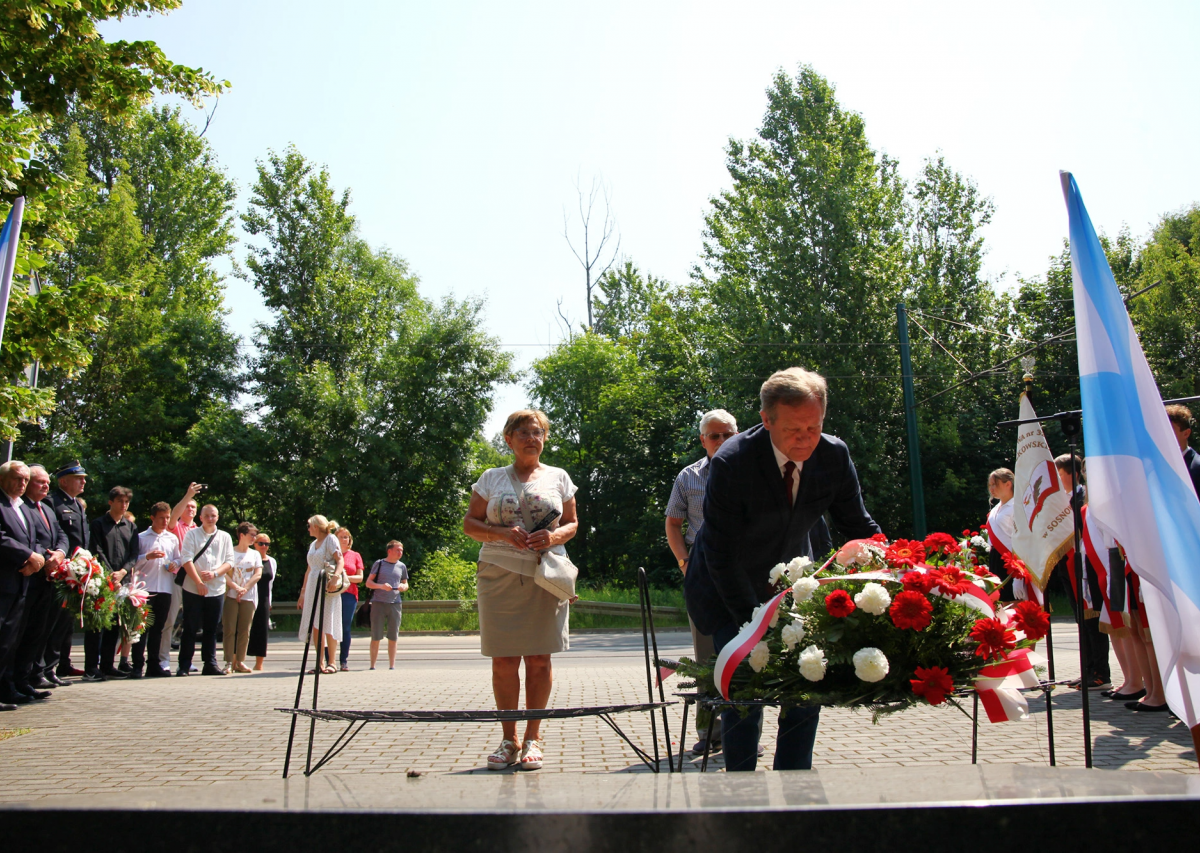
38,467
718,415
9,468
792,387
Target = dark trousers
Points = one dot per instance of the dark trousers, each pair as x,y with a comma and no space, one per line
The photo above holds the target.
39,616
349,603
200,613
1096,641
739,734
12,605
99,649
151,640
58,647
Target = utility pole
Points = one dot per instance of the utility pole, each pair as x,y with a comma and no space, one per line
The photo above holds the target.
910,420
31,372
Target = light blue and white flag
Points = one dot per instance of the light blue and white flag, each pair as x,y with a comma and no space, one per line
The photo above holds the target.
8,256
1138,487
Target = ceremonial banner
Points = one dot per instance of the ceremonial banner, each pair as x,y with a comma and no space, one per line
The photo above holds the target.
1138,487
1042,505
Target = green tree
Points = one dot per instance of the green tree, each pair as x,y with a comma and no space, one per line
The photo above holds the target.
371,397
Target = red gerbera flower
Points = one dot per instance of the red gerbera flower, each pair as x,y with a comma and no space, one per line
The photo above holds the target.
922,582
994,638
953,582
839,603
903,552
1017,568
911,610
941,543
1031,619
933,683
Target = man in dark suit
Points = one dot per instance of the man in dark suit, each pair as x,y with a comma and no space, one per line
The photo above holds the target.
1181,425
71,480
41,606
115,545
18,560
767,489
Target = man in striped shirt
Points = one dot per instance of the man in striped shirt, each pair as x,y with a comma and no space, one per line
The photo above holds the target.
687,505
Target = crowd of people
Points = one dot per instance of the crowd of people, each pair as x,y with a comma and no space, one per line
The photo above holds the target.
1111,605
196,579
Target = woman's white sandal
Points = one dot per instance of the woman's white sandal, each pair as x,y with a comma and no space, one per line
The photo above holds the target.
504,756
531,755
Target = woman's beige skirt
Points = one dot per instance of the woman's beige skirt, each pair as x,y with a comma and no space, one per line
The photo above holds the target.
516,616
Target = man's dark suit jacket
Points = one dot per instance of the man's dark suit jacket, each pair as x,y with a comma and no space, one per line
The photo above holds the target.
48,537
748,526
1192,460
16,544
72,520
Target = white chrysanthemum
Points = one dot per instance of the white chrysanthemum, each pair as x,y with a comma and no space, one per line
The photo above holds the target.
980,542
792,634
759,656
803,589
777,573
93,586
870,664
874,599
812,663
799,567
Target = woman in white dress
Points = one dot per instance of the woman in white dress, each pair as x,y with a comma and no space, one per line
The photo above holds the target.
324,549
1001,528
519,620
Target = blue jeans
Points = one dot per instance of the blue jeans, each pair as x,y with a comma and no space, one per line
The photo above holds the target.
739,734
349,603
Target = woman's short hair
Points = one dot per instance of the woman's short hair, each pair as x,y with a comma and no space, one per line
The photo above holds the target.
517,419
792,387
720,416
323,524
1000,475
247,529
349,535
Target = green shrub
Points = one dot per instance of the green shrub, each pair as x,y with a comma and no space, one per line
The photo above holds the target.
443,576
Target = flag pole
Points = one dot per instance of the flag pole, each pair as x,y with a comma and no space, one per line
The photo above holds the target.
1071,427
1047,689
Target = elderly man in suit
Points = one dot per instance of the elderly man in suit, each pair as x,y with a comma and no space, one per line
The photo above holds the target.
18,560
767,488
40,605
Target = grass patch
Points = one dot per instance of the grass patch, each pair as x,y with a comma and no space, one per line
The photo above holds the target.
5,734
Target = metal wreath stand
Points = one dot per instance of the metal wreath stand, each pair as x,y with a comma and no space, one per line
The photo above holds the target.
356,720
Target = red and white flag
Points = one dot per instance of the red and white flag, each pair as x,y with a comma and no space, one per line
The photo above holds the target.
1042,506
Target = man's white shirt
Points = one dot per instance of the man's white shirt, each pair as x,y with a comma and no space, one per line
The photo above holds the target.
217,554
154,573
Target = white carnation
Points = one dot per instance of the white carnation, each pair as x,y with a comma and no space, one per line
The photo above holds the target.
777,573
874,599
803,589
870,664
792,634
759,656
812,663
854,553
774,618
93,586
980,542
799,567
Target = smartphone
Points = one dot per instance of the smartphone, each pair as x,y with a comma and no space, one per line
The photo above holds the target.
546,521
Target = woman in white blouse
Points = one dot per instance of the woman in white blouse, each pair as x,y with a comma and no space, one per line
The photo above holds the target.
241,598
324,549
519,620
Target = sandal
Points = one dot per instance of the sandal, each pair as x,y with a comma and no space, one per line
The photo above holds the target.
329,670
531,755
504,756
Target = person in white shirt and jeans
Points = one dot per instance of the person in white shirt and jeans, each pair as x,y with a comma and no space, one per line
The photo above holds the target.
203,590
158,560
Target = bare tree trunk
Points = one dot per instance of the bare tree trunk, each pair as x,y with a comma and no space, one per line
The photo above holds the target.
589,260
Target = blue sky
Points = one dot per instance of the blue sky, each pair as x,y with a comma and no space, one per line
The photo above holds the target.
462,128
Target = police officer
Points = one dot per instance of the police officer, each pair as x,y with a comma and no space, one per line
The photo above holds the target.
71,480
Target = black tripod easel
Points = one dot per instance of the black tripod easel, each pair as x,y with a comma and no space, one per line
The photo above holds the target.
312,721
1072,426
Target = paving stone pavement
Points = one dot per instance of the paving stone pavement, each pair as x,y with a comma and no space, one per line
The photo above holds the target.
106,738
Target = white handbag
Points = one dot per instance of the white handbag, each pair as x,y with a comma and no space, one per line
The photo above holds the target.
555,572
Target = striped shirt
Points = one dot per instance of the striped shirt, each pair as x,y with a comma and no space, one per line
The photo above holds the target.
687,498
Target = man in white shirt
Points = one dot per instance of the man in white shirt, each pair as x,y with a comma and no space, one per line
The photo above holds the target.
158,560
207,556
183,519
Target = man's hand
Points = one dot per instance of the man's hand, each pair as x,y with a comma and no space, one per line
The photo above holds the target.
33,564
54,559
119,575
156,554
193,490
207,575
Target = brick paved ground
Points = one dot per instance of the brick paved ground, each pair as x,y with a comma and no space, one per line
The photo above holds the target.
93,738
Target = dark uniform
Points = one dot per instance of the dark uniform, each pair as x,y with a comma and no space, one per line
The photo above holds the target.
57,659
41,606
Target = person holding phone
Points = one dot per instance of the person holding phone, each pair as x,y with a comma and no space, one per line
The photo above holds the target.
519,620
388,581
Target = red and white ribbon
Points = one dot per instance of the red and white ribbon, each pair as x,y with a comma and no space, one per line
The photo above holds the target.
738,649
999,685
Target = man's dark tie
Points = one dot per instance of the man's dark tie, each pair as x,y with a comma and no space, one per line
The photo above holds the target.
789,480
